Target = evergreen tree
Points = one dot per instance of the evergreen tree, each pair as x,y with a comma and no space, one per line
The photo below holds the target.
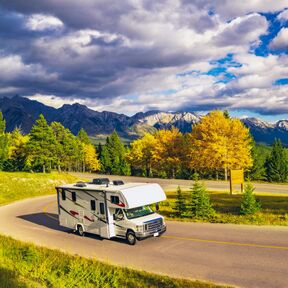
200,206
69,153
2,124
83,137
249,204
3,141
276,164
116,154
259,154
226,114
105,160
180,205
42,146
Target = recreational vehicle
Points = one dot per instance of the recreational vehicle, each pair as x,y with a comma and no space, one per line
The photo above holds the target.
111,209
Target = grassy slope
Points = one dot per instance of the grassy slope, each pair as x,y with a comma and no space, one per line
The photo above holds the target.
25,265
274,209
20,185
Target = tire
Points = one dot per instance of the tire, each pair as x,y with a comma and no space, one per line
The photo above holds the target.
80,230
131,238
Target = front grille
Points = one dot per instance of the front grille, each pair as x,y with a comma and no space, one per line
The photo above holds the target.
153,225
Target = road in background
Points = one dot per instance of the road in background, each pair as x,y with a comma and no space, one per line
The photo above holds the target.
172,184
245,256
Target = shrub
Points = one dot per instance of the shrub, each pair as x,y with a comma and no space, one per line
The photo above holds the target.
249,204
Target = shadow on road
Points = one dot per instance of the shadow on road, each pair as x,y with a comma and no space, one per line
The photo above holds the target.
50,220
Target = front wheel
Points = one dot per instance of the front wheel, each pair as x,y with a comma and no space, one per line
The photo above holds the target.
80,230
131,238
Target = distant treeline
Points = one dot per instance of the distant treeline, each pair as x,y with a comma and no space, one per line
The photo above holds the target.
217,144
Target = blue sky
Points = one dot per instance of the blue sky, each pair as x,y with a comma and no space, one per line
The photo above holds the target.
169,55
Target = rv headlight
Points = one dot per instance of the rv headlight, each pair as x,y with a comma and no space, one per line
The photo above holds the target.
139,228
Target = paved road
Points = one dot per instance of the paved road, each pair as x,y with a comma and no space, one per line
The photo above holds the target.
171,184
243,256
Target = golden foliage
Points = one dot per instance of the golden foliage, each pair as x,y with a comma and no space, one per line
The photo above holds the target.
169,151
218,142
91,157
141,154
17,143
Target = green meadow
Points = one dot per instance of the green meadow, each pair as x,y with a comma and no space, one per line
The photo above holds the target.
274,209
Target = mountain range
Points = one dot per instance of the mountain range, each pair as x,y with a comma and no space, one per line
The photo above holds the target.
22,112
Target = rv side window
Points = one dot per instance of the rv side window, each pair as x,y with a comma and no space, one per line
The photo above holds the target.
74,196
115,199
102,208
63,194
93,205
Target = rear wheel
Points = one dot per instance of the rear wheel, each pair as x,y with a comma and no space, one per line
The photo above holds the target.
131,238
80,230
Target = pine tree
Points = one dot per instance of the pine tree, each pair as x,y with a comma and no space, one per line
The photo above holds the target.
2,124
42,146
180,204
249,204
200,206
83,136
276,164
105,160
259,154
3,141
69,150
115,156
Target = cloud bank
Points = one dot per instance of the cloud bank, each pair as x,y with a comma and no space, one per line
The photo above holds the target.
141,55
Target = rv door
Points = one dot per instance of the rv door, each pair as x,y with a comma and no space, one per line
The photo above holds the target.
102,220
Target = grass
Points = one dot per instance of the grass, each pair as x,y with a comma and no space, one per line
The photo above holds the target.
26,265
20,185
274,209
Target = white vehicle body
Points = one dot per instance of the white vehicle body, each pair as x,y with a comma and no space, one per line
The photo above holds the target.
105,209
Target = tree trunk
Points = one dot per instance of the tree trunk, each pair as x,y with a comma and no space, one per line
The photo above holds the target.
217,176
226,174
43,169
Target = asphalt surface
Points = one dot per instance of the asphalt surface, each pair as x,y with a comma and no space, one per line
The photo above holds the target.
243,256
172,184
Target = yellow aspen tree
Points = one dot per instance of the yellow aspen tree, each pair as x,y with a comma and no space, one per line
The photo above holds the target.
218,142
140,155
91,157
169,152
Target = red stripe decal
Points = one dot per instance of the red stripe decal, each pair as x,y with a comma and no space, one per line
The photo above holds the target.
74,213
88,219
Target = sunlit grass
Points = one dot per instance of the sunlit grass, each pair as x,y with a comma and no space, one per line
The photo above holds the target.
25,265
19,185
274,209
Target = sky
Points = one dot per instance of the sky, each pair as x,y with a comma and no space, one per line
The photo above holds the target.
138,55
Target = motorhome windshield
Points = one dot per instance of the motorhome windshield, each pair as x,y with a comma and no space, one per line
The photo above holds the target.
138,212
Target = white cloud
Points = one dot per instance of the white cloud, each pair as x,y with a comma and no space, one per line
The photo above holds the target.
40,22
228,9
280,42
283,16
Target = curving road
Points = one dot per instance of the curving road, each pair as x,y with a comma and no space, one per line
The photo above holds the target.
172,184
243,256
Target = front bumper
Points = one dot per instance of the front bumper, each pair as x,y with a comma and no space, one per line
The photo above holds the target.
143,235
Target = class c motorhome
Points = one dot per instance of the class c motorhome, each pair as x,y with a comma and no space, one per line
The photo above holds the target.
111,209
